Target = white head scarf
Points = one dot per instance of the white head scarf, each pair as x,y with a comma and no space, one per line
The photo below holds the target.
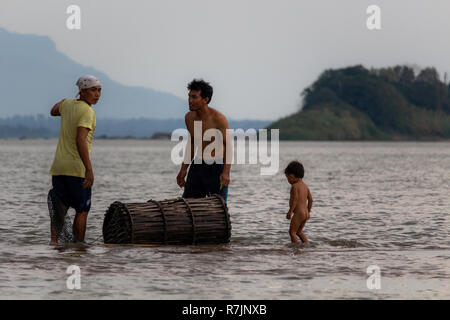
87,81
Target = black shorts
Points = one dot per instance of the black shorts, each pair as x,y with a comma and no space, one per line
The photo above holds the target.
204,180
71,192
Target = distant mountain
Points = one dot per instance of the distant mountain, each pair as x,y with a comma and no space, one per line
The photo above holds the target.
355,103
34,76
41,126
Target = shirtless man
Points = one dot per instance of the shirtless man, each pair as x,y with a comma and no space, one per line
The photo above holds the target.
205,178
299,194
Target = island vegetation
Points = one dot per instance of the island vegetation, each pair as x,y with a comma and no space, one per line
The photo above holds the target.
355,103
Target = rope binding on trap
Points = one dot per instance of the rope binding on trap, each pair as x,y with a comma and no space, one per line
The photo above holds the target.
192,218
162,216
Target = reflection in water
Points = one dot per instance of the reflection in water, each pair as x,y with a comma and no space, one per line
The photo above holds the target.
383,204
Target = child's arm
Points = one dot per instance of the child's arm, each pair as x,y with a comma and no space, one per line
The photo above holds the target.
310,202
293,200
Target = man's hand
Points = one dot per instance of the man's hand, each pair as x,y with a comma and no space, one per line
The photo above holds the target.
89,179
180,178
224,179
55,110
289,215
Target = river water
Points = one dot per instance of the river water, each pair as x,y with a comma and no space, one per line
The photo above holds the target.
382,205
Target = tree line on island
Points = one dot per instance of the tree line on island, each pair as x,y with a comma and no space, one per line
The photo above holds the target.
356,103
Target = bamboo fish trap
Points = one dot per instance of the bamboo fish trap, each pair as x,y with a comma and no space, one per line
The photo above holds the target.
173,221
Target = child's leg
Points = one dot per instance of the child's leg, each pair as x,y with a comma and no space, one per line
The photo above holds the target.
295,224
300,233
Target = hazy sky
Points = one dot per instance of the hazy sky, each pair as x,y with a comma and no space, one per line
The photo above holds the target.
258,54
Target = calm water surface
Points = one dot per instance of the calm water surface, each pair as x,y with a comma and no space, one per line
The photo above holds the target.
383,204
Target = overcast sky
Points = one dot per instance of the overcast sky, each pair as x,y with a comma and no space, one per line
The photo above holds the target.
258,54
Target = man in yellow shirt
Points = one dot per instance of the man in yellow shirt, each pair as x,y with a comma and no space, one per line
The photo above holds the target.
72,174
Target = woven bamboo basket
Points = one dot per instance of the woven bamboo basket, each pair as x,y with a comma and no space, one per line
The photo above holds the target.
172,221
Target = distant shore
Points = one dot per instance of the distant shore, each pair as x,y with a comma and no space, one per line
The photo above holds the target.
111,138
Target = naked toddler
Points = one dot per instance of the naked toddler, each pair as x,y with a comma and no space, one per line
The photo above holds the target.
297,203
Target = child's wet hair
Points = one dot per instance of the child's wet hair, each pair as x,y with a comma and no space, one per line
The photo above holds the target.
295,168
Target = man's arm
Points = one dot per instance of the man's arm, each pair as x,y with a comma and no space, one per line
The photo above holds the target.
293,200
227,151
188,156
55,110
83,151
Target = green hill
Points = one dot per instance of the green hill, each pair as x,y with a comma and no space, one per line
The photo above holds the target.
355,103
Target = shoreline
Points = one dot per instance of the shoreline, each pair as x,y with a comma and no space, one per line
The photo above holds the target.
131,138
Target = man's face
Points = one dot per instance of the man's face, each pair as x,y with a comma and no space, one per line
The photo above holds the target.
196,101
92,94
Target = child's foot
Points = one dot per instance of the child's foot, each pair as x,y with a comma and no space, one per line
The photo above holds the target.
302,237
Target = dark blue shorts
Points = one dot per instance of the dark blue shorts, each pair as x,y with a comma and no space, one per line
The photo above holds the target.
71,192
204,180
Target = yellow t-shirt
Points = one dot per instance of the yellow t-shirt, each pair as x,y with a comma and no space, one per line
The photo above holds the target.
74,114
